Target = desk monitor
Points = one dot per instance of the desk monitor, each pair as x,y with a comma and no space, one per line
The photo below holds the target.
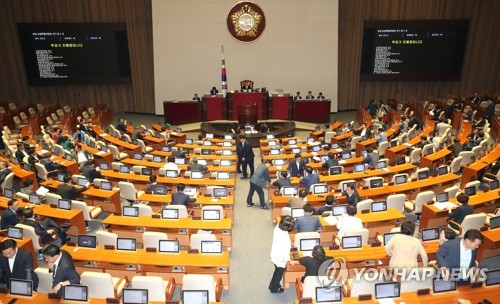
225,163
494,184
104,166
82,181
207,143
289,134
379,206
92,144
220,192
317,128
189,141
168,246
179,161
346,155
335,146
206,151
376,183
494,222
124,169
60,177
64,204
442,197
170,214
350,242
320,189
271,143
26,167
105,185
269,136
429,151
195,297
15,233
203,162
157,159
185,151
308,244
196,175
442,170
364,137
359,168
472,159
227,144
129,244
310,140
166,149
381,164
172,173
316,148
56,152
21,287
35,199
292,142
211,215
394,143
274,152
329,294
130,211
160,190
296,212
400,179
364,153
228,137
493,277
134,296
124,138
104,148
423,175
339,210
388,236
400,160
211,246
430,234
191,191
296,150
336,170
223,175
387,290
290,190
324,158
345,185
138,156
87,241
77,293
209,135
439,285
470,191
279,162
227,152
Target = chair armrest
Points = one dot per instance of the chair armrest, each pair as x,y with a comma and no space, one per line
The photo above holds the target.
94,212
336,237
169,291
298,287
458,225
218,289
346,289
190,213
118,289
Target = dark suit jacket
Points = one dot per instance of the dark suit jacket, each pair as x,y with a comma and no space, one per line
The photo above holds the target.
9,218
39,230
3,174
331,162
282,182
456,149
448,254
90,173
23,264
20,156
353,199
490,111
292,166
182,199
65,271
246,151
178,154
460,213
323,209
312,265
32,160
69,192
197,167
309,180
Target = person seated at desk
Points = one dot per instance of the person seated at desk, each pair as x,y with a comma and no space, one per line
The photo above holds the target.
138,134
10,216
152,183
308,222
297,97
80,136
171,165
4,171
57,135
194,166
352,194
328,207
461,211
246,87
28,187
297,165
404,249
214,91
178,153
282,181
313,263
47,230
459,254
81,155
321,96
66,143
179,198
90,171
21,153
298,202
479,123
121,125
469,144
446,235
16,263
25,141
403,126
264,128
51,167
365,131
349,221
381,136
331,161
67,191
61,265
371,158
309,95
416,121
309,179
456,147
196,98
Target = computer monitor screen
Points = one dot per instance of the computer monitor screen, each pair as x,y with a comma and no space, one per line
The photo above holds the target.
130,211
209,135
190,191
494,222
124,138
279,162
308,244
135,296
128,244
400,160
223,175
171,173
168,246
324,158
104,166
471,190
381,165
329,294
379,206
157,159
87,241
211,215
359,168
316,148
64,204
296,150
205,152
335,170
271,143
346,155
160,190
21,287
225,163
439,285
202,162
400,179
335,146
492,277
227,152
60,177
494,184
320,189
387,290
376,183
75,293
195,297
227,144
15,232
82,181
26,167
442,170
189,141
138,156
211,246
364,153
269,136
207,143
317,128
423,175
310,140
104,149
430,234
179,161
220,192
442,197
92,144
339,210
106,185
170,214
290,190
165,149
274,152
196,175
394,143
147,171
185,151
349,242
296,212
124,169
292,142
56,152
35,199
429,151
388,236
228,137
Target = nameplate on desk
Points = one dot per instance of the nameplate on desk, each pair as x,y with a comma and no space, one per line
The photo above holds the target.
305,300
476,284
226,231
208,195
221,269
139,229
364,297
424,291
183,231
365,211
293,249
109,247
155,216
196,206
193,251
376,244
150,249
484,228
196,218
72,244
178,269
228,207
53,295
4,290
52,206
112,301
334,247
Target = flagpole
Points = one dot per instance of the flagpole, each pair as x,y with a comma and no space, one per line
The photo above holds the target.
224,79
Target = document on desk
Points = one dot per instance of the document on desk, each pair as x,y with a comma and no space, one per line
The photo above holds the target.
331,220
408,144
42,190
444,205
201,231
386,169
314,153
316,158
342,162
100,153
387,301
103,134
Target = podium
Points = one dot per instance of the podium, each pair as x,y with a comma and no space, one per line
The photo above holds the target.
247,114
252,98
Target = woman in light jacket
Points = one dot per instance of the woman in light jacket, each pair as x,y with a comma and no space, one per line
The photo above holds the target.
280,252
404,248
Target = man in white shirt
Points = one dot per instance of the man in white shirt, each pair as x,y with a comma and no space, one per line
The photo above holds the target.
349,221
81,156
171,165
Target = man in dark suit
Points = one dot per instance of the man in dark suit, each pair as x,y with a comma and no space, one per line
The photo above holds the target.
352,195
152,183
257,182
456,147
282,181
297,97
454,254
331,161
179,198
309,178
194,166
21,152
16,263
178,153
122,125
480,123
214,91
90,171
247,156
32,159
308,222
47,230
490,110
9,216
328,205
62,267
461,211
67,191
297,165
371,158
4,171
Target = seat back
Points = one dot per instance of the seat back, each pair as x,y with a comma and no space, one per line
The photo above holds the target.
98,181
181,210
214,207
396,201
355,140
79,205
29,232
415,155
155,286
422,198
106,238
455,164
42,172
151,239
474,184
100,285
44,280
200,282
8,182
137,169
382,147
364,205
417,278
115,166
452,191
328,136
144,210
473,221
52,198
466,158
114,150
195,240
127,191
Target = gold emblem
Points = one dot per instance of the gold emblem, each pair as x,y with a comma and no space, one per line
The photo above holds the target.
246,21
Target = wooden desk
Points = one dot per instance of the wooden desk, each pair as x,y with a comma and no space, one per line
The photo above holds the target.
70,165
363,145
154,165
109,200
24,175
210,157
99,155
212,147
472,170
264,142
155,142
130,148
393,153
182,112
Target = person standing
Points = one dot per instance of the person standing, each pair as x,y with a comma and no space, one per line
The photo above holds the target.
404,248
280,252
16,263
247,156
63,269
257,182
